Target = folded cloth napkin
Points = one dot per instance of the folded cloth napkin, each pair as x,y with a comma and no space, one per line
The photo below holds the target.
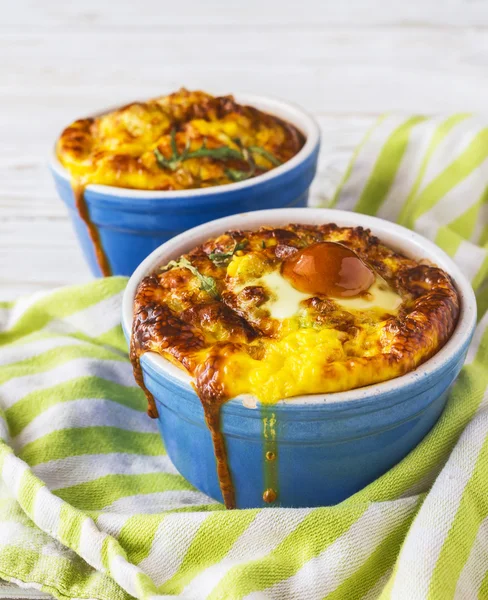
91,506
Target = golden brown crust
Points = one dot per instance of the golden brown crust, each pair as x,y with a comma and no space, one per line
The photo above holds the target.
209,313
203,328
135,145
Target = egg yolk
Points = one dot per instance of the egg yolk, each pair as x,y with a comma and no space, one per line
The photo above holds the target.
328,269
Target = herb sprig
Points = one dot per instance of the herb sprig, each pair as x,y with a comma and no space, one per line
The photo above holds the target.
263,152
207,283
221,153
220,259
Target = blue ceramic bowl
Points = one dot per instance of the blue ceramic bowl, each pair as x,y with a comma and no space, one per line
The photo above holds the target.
133,223
328,446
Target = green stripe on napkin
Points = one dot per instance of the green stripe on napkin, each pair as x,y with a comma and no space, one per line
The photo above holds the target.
91,506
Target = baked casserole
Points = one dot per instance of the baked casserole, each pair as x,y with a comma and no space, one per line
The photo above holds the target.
186,140
183,141
281,312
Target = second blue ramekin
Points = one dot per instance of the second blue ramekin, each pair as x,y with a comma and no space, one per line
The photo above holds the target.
327,446
133,223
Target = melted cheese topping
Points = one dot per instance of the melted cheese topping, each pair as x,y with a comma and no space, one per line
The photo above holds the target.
288,366
225,313
180,141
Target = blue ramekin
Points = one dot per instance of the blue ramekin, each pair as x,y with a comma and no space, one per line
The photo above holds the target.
328,446
133,223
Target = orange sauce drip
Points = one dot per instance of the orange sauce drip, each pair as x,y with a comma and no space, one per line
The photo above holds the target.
269,495
328,269
212,418
323,268
135,359
82,208
211,411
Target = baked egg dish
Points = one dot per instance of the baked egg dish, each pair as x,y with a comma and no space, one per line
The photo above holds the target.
286,311
185,140
278,313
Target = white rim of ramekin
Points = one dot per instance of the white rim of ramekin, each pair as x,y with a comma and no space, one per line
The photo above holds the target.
399,238
279,108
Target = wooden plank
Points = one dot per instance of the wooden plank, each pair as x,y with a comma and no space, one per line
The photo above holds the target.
343,71
345,61
27,191
44,252
38,248
93,15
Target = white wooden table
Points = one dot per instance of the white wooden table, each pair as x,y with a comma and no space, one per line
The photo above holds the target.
344,61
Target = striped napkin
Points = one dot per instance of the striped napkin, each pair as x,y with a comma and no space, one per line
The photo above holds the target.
91,506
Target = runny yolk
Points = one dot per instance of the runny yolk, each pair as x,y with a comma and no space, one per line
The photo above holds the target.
328,269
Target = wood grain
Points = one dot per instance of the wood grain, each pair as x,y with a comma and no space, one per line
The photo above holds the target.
53,15
38,249
344,61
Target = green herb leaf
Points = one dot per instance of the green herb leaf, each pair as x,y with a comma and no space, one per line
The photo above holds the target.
265,154
221,153
173,264
240,246
237,174
162,161
220,259
176,158
207,283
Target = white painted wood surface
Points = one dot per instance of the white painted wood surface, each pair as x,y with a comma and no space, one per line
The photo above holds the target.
346,61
